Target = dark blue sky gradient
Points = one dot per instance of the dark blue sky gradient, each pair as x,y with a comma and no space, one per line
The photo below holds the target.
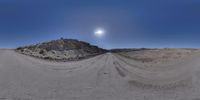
128,23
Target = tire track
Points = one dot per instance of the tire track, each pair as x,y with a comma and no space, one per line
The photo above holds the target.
101,74
134,78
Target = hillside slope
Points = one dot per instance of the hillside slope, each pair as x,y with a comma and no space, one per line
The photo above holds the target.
61,49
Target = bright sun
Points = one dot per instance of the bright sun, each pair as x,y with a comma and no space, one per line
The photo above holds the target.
99,32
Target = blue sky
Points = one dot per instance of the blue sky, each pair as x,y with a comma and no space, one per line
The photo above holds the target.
128,23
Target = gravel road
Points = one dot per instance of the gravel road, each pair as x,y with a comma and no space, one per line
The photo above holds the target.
104,77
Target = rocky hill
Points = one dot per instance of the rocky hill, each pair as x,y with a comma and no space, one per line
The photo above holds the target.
62,50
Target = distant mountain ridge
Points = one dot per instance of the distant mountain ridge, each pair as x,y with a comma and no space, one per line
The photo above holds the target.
62,49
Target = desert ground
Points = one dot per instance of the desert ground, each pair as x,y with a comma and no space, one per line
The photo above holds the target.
160,74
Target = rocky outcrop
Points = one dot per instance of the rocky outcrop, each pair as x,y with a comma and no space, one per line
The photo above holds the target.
62,50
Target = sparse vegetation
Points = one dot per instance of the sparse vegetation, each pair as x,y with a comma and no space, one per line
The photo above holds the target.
156,55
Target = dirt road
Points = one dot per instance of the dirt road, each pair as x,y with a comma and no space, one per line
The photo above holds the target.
104,77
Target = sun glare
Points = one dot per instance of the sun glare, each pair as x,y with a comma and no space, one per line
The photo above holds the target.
99,32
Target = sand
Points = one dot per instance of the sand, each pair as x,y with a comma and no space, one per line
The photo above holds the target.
105,77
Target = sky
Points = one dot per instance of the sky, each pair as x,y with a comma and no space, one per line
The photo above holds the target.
126,23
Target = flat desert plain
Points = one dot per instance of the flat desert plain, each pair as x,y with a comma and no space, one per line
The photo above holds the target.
160,74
